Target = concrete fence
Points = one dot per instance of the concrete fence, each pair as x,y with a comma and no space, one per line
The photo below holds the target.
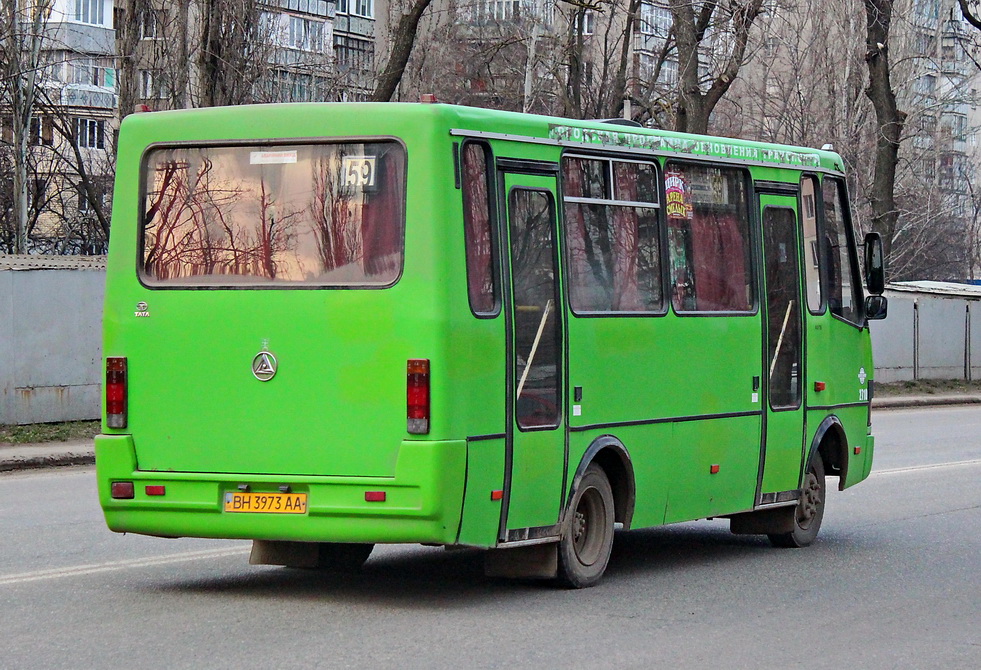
50,338
933,332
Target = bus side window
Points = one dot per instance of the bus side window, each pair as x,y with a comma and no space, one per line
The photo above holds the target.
612,235
812,254
481,284
842,288
709,246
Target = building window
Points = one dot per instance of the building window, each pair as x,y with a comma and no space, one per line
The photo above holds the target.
84,206
655,21
41,131
151,24
306,34
92,72
90,133
352,53
152,85
37,193
90,11
365,8
493,11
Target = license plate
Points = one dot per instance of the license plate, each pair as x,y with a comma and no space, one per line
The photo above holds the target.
266,503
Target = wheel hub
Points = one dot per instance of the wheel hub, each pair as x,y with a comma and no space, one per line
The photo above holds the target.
809,502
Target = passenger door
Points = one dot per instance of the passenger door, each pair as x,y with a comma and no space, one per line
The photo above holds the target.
783,441
535,434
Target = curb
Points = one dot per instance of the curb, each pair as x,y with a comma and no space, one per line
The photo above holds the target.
46,455
60,454
906,402
47,461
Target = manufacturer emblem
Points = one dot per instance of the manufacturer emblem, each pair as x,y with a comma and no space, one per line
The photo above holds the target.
264,366
142,310
862,376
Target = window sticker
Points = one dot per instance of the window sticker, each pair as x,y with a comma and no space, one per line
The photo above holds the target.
678,197
272,157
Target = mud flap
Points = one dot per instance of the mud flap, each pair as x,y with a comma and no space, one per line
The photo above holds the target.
290,554
537,561
764,522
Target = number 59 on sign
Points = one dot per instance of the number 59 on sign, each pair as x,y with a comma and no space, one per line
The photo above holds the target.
359,171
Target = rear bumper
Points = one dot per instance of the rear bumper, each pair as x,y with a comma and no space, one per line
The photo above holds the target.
423,501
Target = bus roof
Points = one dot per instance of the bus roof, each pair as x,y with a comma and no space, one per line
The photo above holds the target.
615,135
496,124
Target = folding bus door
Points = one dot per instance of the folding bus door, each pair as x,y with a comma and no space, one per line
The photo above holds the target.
784,342
536,375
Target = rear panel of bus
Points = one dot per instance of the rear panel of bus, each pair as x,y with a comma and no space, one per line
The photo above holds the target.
266,297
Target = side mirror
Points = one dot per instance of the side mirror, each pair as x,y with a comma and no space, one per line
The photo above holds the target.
875,274
876,307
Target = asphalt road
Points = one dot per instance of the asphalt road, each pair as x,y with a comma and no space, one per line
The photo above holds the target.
894,581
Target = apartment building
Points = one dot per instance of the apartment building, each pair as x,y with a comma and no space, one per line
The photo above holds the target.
74,108
187,54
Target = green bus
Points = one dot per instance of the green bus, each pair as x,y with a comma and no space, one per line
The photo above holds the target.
334,325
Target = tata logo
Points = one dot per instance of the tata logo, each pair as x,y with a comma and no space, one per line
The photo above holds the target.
264,366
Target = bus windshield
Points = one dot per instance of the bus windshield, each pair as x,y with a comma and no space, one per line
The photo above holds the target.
320,214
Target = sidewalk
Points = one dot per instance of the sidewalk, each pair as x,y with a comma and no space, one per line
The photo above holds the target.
928,400
46,455
82,452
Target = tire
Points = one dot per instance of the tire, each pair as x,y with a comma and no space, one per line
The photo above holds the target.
587,538
809,511
342,557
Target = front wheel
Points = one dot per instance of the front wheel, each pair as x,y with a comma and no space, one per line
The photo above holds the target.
809,511
587,538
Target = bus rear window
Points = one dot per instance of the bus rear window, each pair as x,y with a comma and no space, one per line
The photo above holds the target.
312,214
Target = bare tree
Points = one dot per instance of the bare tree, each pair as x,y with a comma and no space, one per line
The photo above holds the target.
156,43
232,54
403,38
599,39
91,175
23,33
889,118
731,25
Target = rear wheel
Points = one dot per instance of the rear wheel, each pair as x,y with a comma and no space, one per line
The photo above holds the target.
809,511
342,557
587,538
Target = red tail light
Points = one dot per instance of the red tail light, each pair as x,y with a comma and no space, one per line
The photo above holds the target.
116,392
417,395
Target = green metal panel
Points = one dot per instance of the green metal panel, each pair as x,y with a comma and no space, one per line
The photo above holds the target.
485,475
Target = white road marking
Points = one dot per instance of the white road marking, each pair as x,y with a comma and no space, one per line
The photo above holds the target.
94,568
932,466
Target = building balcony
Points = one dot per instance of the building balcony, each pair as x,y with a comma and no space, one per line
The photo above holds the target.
82,38
86,95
